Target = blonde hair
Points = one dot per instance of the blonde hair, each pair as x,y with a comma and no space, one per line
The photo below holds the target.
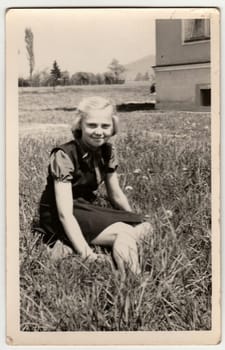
92,103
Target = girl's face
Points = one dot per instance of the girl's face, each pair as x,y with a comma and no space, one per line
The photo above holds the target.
97,127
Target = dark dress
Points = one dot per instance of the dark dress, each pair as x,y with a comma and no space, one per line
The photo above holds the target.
85,169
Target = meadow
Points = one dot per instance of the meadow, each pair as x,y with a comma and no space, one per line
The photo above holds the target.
165,170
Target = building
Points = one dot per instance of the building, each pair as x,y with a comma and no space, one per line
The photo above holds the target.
183,63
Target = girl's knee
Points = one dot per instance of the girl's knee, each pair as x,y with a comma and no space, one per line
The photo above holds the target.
124,229
110,234
143,230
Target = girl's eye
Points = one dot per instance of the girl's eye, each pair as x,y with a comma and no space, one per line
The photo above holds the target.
92,125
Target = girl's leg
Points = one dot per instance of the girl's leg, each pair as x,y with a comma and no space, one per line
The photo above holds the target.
121,237
143,230
108,235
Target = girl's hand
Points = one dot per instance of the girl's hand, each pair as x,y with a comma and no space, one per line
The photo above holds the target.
96,257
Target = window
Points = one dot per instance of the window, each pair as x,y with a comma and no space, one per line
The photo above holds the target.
205,97
196,30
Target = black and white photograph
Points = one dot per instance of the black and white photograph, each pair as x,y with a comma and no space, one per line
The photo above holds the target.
113,176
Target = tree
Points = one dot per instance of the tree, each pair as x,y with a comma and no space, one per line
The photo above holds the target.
29,39
92,78
80,78
138,77
23,82
55,73
100,79
36,79
65,77
109,78
146,76
45,77
117,69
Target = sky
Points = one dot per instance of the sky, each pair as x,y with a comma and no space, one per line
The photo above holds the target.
84,39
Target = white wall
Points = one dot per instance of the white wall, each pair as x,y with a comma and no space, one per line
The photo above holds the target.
180,85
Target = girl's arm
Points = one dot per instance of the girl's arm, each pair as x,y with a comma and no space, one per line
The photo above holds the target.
64,202
115,193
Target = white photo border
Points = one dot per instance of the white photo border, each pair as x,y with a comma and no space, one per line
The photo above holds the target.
11,266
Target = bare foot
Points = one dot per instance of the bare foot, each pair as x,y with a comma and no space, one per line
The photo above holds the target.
59,251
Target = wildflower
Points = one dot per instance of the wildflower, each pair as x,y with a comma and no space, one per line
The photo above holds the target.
147,216
150,171
129,188
169,214
137,171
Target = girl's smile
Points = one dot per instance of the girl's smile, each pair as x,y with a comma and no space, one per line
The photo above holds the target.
97,127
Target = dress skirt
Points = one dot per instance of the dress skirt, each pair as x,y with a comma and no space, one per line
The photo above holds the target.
91,218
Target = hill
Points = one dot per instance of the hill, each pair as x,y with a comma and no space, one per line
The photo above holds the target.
141,66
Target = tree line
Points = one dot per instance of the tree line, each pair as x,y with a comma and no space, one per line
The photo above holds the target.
57,76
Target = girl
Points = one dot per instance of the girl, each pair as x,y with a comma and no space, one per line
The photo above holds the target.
67,210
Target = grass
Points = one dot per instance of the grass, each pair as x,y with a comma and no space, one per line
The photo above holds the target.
69,96
173,292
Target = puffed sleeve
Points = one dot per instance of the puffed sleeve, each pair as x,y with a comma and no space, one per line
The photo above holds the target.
61,166
110,158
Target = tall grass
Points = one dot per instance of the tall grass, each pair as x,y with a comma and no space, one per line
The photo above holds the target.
165,172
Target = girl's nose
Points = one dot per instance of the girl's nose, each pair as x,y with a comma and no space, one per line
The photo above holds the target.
98,130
